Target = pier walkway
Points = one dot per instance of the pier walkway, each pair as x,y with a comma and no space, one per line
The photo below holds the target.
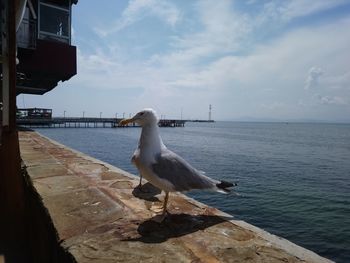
99,216
74,122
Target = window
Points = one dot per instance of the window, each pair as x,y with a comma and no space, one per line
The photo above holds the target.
55,21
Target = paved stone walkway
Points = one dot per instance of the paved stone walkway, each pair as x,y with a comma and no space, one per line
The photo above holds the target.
100,217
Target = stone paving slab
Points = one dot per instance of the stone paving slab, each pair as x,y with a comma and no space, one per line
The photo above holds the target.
100,216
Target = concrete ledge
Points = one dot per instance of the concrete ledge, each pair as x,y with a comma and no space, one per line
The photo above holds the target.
100,217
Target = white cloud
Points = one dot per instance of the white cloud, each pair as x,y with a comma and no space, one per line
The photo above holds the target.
279,63
313,77
287,10
226,30
223,31
138,10
299,8
317,78
331,100
337,81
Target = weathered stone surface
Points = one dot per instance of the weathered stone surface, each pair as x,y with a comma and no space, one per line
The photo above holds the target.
78,211
54,169
101,217
59,184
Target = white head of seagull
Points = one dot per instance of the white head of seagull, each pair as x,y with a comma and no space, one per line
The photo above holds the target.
150,141
145,117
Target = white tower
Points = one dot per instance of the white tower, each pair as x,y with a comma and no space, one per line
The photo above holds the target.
209,112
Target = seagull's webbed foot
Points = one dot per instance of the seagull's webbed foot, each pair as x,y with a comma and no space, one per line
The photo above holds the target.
160,218
139,187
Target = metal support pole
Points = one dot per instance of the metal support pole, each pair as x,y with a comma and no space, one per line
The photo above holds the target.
8,55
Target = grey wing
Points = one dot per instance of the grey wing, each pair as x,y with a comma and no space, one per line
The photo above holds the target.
179,173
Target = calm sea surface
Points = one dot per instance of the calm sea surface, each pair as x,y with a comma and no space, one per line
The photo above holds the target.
293,179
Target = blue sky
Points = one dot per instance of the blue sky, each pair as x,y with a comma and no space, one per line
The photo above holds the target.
252,60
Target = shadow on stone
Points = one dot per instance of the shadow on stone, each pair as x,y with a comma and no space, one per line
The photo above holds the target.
147,192
174,225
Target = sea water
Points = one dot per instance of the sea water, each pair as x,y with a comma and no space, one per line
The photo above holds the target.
293,178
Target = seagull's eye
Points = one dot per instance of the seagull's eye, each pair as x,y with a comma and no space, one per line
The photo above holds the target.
141,113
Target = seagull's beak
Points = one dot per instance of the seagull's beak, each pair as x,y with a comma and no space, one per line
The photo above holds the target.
125,122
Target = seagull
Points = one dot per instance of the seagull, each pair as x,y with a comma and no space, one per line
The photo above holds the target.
162,167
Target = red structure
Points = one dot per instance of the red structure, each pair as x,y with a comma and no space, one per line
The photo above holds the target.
44,48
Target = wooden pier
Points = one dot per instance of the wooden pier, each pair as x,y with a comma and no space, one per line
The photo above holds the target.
65,122
86,122
171,123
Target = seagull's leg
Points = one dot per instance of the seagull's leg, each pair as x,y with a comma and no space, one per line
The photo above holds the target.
139,186
140,183
165,202
160,218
